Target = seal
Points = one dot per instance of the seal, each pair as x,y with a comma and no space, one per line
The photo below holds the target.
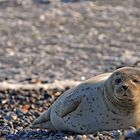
109,101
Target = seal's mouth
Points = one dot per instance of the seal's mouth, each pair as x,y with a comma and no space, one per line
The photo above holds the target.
120,101
123,94
124,98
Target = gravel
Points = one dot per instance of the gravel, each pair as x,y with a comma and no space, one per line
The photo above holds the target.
60,40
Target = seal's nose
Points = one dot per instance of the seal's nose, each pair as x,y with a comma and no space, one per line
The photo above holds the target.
125,87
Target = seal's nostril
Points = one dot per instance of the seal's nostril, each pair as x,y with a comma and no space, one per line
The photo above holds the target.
125,87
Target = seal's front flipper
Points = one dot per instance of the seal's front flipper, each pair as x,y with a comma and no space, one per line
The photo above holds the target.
67,104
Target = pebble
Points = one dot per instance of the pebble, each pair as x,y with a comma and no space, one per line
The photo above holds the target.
117,134
41,1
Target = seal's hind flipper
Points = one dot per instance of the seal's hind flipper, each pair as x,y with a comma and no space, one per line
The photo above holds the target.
43,121
43,125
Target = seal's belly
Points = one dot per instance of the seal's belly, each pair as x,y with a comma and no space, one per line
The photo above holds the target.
92,115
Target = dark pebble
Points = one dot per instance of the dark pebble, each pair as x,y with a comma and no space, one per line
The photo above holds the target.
41,1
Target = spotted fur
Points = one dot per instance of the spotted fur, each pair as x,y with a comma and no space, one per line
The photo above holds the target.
105,102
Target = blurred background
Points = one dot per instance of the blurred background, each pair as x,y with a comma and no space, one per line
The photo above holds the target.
67,39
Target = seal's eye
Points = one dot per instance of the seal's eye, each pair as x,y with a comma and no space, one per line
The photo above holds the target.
136,81
117,81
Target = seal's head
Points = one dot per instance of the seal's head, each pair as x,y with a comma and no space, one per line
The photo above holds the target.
125,85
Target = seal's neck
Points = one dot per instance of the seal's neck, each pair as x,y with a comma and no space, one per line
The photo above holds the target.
137,113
